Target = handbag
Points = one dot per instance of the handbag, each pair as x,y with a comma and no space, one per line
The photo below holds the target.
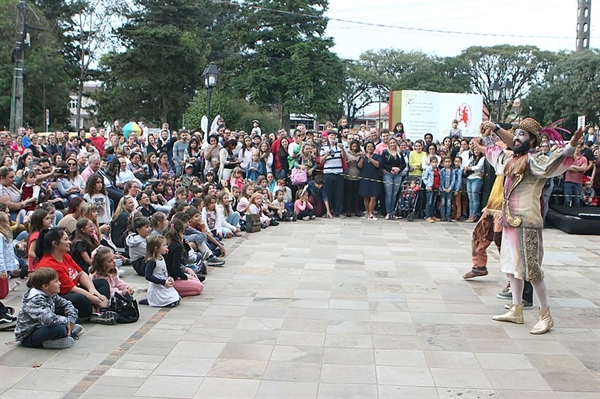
126,307
299,176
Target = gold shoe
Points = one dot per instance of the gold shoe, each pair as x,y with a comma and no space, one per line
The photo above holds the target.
545,323
514,315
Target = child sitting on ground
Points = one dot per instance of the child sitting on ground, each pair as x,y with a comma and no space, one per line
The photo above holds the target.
287,192
104,266
136,242
281,211
303,208
161,291
39,324
255,207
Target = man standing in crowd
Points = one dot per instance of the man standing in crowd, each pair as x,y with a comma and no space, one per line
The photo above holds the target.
333,172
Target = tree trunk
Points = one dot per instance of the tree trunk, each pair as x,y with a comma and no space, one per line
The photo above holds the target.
79,96
285,118
164,111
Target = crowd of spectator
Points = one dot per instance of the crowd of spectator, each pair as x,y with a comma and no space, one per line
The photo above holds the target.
165,201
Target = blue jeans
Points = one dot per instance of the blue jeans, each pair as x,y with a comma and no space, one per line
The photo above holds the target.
234,219
572,192
43,334
391,184
446,204
474,191
546,194
57,218
430,204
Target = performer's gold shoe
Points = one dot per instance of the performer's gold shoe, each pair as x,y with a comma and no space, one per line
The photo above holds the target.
545,323
514,314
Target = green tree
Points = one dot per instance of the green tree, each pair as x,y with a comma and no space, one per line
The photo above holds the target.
391,69
524,66
46,84
358,91
571,88
156,77
287,64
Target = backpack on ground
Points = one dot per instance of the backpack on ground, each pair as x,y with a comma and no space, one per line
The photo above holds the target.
126,307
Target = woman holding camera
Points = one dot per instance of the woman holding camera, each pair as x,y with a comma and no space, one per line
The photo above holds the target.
69,182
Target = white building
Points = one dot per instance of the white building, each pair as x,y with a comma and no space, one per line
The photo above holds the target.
87,120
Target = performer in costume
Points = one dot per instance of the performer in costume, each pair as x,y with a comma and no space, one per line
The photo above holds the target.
521,219
488,228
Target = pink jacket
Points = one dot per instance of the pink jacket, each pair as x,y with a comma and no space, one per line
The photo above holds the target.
114,282
299,206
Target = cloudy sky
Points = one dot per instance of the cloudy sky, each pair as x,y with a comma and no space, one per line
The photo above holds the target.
528,18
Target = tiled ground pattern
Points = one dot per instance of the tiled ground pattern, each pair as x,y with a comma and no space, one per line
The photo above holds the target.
340,308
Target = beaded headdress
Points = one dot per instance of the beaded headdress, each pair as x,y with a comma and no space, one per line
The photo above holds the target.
532,127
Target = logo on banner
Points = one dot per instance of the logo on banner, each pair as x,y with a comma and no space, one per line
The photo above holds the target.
464,114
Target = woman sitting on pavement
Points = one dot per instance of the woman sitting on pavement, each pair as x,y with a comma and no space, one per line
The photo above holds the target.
88,296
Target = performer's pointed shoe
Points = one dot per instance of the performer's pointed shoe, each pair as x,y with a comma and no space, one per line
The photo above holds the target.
545,323
476,272
514,315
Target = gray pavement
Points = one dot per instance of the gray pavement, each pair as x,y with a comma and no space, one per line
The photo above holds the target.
338,308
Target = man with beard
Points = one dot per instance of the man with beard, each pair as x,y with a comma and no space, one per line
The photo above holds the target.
488,230
522,247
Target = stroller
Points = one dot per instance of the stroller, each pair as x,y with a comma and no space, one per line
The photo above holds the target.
406,207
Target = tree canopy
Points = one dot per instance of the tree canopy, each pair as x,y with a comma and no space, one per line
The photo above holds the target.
46,83
570,88
524,66
274,58
287,63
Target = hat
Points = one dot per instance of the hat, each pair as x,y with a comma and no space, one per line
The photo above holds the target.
256,121
189,165
532,127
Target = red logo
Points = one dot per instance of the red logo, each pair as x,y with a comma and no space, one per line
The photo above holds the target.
464,114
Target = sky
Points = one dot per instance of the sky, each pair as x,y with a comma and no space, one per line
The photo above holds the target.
556,18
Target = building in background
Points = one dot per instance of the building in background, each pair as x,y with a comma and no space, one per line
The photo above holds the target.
87,119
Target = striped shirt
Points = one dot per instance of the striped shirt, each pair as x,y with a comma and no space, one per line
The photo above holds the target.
333,164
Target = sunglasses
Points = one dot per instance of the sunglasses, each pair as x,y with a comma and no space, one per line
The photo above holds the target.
72,164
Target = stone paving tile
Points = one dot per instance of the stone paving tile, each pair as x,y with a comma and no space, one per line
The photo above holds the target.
169,387
369,310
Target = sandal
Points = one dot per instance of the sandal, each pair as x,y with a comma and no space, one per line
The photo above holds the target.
387,217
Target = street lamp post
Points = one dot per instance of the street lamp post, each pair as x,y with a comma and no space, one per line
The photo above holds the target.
499,93
211,76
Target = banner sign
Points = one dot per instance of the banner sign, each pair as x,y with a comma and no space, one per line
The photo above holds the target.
429,112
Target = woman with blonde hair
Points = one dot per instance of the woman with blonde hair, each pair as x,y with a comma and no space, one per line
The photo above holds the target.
121,220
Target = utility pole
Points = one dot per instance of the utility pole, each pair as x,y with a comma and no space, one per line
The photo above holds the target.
18,55
584,10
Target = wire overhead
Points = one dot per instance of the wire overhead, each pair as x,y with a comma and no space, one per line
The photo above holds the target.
373,24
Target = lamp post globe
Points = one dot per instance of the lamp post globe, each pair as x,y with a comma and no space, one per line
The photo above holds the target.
210,78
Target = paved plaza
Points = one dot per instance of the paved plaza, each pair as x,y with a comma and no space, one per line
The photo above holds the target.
338,308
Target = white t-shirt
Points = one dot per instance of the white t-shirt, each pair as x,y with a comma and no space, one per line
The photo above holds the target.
103,204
